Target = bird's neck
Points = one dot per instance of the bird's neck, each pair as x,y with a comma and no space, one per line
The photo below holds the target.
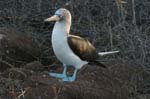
61,29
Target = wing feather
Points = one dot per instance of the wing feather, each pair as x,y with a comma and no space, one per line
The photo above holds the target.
83,48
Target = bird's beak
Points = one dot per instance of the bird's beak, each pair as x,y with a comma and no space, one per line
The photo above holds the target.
52,18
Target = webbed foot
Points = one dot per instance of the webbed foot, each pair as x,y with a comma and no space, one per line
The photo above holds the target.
57,75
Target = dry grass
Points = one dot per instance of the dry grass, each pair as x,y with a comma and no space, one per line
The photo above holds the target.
109,24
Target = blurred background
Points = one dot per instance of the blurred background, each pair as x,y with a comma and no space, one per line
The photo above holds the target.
25,48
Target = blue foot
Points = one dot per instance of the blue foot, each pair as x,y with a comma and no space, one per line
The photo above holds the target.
68,79
57,75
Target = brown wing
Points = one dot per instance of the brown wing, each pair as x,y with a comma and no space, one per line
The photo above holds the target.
83,48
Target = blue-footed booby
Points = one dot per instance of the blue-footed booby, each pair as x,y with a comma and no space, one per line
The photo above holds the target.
71,50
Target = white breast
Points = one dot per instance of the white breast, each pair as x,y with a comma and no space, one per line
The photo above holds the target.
62,49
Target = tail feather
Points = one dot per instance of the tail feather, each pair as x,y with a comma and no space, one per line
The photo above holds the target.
106,53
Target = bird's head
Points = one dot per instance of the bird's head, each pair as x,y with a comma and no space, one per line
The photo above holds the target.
61,14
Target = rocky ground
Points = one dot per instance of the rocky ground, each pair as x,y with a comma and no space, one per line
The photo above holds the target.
26,55
23,76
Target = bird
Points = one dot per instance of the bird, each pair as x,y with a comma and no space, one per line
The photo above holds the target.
71,50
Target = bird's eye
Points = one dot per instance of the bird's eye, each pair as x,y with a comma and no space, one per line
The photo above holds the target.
59,15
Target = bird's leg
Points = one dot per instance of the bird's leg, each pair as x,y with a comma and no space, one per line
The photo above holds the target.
60,75
72,78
